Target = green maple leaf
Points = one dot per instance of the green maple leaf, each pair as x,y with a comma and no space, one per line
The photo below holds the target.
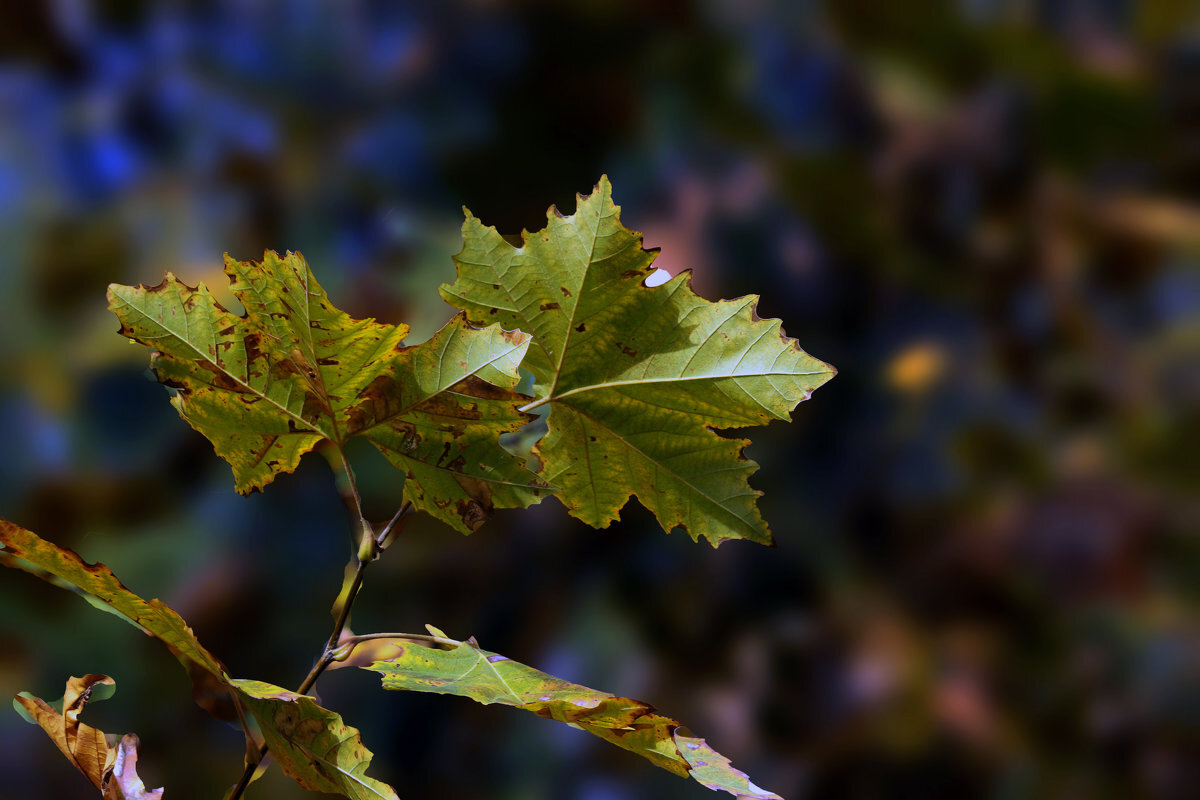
636,378
265,388
486,677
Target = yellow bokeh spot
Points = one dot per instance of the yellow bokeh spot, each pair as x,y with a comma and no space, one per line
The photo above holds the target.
916,367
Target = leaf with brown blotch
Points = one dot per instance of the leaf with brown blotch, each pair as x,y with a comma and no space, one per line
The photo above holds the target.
112,769
312,744
266,387
485,677
635,377
437,410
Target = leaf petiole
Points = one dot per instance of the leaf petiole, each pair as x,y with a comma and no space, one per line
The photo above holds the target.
341,607
348,644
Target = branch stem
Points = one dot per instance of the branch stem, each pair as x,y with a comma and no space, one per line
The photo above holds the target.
370,548
536,404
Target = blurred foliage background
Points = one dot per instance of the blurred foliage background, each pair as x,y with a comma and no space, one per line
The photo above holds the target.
985,213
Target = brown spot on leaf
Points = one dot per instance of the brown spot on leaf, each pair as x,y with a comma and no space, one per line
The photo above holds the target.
566,292
580,328
220,380
632,273
315,406
286,718
472,513
547,306
309,729
477,387
629,351
253,344
380,400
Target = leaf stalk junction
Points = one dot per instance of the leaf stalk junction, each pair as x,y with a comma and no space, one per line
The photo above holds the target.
336,648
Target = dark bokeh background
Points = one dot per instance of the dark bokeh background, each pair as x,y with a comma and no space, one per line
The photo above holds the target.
986,214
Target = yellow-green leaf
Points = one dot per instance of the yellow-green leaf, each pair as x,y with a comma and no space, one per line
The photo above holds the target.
312,744
266,387
485,677
636,377
25,549
437,411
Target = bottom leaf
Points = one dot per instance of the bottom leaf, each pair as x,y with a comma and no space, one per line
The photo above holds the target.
485,677
312,744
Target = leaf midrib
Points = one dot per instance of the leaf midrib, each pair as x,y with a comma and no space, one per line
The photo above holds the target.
386,421
206,358
644,381
579,293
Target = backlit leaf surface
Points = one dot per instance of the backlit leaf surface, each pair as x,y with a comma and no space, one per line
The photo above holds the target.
26,549
486,677
268,386
636,377
311,743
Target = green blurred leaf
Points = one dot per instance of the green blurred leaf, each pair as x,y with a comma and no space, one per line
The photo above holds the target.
267,387
636,377
486,677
